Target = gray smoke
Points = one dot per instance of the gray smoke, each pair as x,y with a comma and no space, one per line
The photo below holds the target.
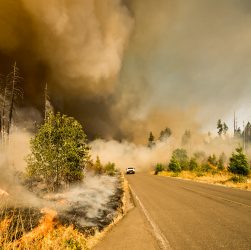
124,68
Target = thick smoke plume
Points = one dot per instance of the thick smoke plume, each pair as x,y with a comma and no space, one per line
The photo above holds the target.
81,42
115,65
76,46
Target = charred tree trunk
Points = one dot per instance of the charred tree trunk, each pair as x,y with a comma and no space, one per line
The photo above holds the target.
3,107
13,80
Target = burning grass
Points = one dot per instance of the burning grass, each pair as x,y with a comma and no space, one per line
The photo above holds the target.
68,223
31,229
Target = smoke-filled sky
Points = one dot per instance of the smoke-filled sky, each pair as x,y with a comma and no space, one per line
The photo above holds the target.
125,68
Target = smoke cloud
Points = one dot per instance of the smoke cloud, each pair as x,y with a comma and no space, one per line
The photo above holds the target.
143,158
75,46
195,55
124,68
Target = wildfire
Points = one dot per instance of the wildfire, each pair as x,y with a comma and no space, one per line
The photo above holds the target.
47,222
46,225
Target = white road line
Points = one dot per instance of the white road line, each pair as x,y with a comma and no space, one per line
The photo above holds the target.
163,242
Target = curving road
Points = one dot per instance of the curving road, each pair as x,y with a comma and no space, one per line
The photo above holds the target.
191,215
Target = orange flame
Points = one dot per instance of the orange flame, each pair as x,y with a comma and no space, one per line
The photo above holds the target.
46,225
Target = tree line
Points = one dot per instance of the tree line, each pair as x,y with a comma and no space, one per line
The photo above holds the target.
200,163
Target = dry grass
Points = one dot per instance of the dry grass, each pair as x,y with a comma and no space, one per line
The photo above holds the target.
15,233
34,229
221,178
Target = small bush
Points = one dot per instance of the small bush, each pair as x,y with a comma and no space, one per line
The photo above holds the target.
98,167
238,179
72,244
110,169
175,174
193,164
181,157
206,167
174,165
199,174
159,168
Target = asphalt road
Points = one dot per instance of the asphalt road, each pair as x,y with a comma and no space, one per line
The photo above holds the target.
191,215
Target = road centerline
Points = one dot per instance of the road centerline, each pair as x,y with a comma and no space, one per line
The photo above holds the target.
218,197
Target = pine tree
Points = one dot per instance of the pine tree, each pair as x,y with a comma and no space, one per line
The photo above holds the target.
225,128
238,163
186,138
220,127
165,134
151,140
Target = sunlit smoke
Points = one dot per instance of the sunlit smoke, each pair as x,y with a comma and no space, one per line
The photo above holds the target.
144,159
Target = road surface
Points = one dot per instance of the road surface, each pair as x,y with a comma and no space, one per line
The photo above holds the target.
193,215
182,215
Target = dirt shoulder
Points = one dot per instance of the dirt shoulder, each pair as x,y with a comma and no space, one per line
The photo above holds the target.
132,232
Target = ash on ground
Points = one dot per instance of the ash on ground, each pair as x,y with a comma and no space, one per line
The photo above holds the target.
91,205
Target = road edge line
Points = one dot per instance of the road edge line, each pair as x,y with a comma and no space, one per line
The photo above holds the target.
160,237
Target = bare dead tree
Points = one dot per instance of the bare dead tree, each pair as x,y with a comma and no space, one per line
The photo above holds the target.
3,97
15,93
47,104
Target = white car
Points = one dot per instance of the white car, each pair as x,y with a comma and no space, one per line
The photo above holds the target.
130,170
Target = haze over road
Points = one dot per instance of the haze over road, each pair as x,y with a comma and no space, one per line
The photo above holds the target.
193,215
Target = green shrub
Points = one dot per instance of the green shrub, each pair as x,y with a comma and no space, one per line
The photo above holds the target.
159,168
110,169
206,167
238,163
193,165
174,165
199,174
98,167
72,244
181,157
238,179
175,174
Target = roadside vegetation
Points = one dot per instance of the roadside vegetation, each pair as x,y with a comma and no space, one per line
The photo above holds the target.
234,171
60,157
184,162
59,161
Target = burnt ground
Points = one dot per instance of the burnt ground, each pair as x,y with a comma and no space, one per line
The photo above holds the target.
25,219
77,213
